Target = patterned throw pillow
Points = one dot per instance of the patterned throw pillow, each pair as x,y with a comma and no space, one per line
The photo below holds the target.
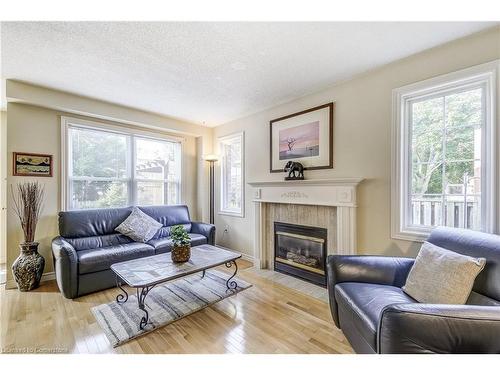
442,276
139,226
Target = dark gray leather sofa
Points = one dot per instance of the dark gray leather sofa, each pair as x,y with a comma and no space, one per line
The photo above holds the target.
88,244
376,316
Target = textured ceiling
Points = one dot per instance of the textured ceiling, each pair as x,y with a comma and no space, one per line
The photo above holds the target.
205,72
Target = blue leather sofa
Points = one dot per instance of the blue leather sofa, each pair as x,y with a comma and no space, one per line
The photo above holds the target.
376,316
88,244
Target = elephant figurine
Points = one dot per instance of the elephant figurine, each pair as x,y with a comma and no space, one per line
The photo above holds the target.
295,170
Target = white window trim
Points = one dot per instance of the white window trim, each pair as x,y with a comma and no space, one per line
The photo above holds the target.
221,211
67,121
486,74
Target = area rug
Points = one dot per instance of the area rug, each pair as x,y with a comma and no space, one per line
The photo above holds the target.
165,303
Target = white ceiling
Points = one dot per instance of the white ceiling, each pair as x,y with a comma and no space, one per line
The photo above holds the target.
206,72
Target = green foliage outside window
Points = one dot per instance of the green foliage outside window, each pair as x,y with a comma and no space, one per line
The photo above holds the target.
445,133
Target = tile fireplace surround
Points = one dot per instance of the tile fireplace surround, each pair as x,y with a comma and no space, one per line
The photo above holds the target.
324,203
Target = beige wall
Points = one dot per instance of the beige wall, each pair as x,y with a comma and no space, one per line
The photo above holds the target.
3,186
32,128
362,139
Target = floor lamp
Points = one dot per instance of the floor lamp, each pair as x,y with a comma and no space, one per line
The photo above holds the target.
211,160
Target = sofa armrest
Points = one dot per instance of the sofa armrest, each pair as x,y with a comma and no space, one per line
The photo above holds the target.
364,269
368,269
426,328
65,267
207,230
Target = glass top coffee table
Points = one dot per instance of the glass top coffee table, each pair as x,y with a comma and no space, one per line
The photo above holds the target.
145,273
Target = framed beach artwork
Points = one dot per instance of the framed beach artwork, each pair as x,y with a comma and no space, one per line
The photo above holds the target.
306,137
27,164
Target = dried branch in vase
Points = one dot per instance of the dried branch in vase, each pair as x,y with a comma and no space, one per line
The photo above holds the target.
28,202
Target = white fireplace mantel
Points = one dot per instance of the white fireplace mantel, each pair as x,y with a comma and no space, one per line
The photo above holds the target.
334,192
329,181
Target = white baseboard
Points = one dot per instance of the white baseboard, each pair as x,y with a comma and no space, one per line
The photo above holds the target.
47,276
247,257
244,256
11,284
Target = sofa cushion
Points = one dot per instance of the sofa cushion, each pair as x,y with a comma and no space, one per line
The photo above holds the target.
89,223
162,245
101,259
197,239
442,276
165,244
168,215
165,231
362,304
480,300
102,221
139,226
85,243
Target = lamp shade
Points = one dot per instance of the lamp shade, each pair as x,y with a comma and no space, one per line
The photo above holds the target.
211,157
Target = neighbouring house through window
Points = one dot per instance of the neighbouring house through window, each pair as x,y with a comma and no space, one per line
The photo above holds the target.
445,142
232,200
107,166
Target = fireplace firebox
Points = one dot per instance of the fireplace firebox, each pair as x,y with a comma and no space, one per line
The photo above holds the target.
300,251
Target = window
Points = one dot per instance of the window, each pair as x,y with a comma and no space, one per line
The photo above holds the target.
444,165
98,169
157,174
114,167
232,188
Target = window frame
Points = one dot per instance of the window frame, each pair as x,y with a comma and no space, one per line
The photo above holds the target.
481,75
222,197
132,135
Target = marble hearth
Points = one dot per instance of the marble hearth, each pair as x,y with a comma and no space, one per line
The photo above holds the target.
322,203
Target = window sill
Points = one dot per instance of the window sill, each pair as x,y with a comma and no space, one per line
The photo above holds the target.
229,213
412,235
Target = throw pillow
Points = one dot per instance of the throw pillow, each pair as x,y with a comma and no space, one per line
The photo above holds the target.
139,226
442,276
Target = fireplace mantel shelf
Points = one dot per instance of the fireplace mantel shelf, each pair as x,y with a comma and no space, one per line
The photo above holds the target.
340,181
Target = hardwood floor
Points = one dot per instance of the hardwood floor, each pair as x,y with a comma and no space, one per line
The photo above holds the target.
267,318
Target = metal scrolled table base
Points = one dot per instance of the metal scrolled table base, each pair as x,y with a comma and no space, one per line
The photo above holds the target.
141,296
232,284
121,298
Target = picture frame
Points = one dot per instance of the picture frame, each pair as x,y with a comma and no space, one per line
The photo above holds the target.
305,137
30,164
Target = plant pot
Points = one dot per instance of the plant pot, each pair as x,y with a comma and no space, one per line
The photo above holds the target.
181,253
28,267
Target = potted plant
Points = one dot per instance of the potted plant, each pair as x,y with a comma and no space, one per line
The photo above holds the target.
182,244
28,267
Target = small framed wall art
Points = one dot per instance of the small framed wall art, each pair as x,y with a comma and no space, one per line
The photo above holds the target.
28,164
305,137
